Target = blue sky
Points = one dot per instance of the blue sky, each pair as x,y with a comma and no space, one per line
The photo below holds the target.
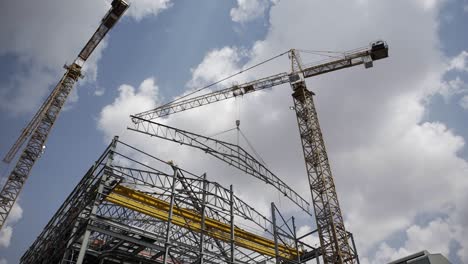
395,133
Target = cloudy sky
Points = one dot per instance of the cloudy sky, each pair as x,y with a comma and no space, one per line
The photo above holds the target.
396,134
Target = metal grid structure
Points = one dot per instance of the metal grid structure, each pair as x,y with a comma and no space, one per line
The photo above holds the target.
132,207
232,154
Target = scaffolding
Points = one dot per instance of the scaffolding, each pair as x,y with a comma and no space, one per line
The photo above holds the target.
132,207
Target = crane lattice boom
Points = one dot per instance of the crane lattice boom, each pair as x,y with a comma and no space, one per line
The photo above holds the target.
232,154
38,129
353,58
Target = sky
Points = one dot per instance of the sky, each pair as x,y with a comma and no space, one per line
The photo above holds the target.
395,134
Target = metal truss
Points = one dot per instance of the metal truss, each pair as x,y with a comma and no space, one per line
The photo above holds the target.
366,56
334,240
233,91
232,154
35,145
131,207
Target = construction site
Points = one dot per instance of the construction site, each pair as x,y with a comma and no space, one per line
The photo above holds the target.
134,207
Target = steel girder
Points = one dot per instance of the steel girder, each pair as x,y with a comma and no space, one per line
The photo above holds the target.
232,154
119,233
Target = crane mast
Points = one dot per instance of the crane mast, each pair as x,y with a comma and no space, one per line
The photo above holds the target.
38,129
334,239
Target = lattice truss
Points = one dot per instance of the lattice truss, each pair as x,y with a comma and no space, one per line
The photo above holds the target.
131,207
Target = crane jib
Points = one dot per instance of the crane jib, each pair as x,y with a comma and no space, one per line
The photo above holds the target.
376,51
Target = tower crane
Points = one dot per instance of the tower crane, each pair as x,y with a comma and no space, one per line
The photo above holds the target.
38,129
334,239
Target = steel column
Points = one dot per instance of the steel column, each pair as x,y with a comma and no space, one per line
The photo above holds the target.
169,221
275,233
107,172
231,211
295,239
203,216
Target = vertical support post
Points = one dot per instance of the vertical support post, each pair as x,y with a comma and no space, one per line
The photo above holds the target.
295,240
354,247
169,221
275,233
334,244
233,246
69,243
107,171
203,208
71,240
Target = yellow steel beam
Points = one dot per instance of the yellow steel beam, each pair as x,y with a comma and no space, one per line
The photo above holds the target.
190,219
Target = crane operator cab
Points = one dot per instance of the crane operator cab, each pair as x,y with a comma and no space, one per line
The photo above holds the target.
379,50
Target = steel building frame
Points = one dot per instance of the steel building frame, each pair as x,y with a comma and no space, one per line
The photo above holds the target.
132,207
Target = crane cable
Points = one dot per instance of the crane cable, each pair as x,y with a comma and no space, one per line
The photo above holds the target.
316,52
225,78
252,148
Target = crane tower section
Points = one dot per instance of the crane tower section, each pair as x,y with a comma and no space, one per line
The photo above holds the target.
332,233
334,240
38,129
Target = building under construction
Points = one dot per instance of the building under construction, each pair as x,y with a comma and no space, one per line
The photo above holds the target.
131,207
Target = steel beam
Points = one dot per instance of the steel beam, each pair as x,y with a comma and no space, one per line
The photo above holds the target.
154,207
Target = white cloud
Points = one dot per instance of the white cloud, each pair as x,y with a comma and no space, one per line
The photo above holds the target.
389,165
99,91
142,8
113,117
312,240
3,261
15,215
430,4
456,85
216,65
452,87
43,36
41,42
248,10
464,102
435,237
5,236
459,62
21,94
